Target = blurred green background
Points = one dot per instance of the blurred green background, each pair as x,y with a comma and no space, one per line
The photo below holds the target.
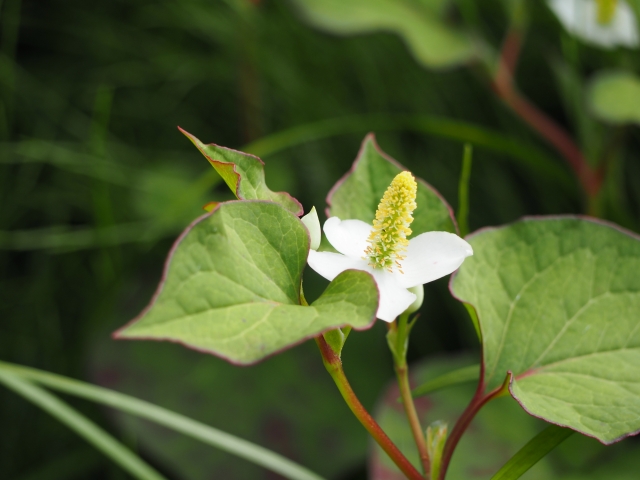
96,182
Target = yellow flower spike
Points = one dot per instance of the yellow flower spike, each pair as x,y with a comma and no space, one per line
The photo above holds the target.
606,11
388,239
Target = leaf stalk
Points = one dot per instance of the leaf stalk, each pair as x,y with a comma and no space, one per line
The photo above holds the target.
333,364
399,350
479,400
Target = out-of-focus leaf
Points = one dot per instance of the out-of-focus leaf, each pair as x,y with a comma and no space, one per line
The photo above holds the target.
244,174
287,403
357,194
167,196
558,301
536,449
231,287
615,97
515,149
433,42
449,379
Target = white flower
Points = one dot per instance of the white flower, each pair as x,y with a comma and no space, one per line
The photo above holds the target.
606,23
382,250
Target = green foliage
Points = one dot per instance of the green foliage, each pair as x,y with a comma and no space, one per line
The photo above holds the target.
84,427
244,174
557,301
499,431
95,183
533,452
232,287
19,379
270,398
358,193
421,24
615,97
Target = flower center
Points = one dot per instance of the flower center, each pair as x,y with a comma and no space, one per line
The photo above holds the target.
606,11
388,239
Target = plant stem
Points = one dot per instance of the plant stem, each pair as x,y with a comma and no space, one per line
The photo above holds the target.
402,373
333,364
463,191
477,402
503,85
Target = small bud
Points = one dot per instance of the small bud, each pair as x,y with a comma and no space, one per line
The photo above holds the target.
418,290
436,438
312,223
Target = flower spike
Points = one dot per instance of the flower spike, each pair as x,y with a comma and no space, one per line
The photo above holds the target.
388,239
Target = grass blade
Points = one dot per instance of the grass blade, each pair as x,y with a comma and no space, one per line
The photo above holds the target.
532,452
82,426
461,375
516,150
175,421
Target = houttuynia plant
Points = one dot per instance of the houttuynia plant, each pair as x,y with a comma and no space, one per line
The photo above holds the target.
551,302
554,299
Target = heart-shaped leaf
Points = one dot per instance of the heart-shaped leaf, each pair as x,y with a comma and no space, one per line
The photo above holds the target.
231,287
615,97
244,174
358,193
421,24
558,301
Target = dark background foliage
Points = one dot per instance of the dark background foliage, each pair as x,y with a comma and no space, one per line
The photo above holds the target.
96,182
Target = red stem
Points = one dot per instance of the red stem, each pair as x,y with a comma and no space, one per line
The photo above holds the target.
477,402
589,178
333,365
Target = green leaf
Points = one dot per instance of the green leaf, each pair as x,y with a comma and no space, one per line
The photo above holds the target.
536,449
421,24
615,97
358,193
244,174
232,282
557,301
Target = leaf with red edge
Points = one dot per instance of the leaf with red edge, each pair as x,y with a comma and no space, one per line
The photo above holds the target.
357,194
231,287
244,174
558,303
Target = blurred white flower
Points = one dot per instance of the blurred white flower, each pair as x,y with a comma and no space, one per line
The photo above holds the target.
606,23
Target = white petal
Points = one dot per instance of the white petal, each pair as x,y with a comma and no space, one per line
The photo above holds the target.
579,17
393,298
348,236
312,223
430,256
330,265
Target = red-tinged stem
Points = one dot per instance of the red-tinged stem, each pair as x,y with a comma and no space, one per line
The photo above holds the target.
333,364
477,402
589,178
